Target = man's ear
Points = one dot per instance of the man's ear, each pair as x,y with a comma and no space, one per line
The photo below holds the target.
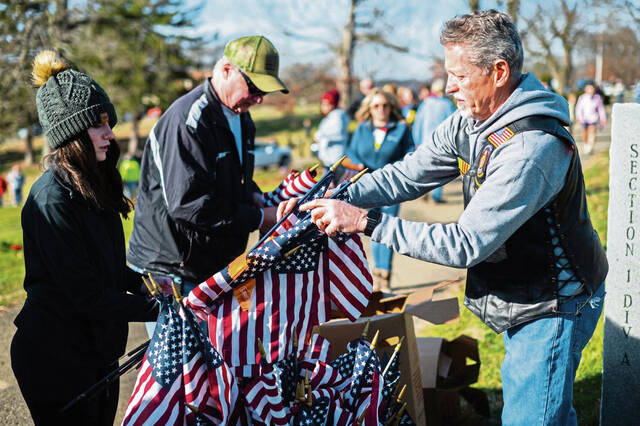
501,73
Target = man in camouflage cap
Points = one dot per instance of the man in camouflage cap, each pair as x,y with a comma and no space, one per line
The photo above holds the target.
197,202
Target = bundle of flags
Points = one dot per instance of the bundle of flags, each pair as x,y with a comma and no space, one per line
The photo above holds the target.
182,378
354,389
295,184
257,307
286,284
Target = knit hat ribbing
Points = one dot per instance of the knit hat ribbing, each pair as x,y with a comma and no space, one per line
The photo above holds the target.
70,102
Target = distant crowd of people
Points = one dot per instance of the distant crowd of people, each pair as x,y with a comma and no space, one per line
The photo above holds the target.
13,183
391,123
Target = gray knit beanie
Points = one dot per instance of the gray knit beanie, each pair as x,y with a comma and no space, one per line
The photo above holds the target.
68,101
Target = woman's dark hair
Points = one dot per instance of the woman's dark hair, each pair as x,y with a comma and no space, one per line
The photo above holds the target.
99,183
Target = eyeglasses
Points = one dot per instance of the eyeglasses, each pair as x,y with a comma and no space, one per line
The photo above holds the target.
253,90
376,106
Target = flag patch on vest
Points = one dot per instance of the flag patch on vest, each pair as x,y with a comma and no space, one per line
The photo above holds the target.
501,136
463,166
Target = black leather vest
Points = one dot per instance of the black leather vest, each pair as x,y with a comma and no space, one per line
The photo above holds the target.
518,282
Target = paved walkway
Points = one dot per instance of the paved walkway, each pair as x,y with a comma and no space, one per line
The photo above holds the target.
408,274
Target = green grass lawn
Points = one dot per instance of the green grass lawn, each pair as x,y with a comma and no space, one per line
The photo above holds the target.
589,376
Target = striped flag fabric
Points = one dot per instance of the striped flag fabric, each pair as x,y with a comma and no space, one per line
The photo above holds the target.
158,395
500,136
295,184
181,367
365,390
260,258
264,397
297,296
209,384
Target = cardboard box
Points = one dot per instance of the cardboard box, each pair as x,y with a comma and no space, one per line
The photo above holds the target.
393,316
448,368
448,365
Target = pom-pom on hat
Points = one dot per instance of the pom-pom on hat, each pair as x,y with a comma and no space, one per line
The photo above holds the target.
69,102
332,96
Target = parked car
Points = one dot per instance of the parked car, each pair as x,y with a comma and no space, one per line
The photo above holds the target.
271,154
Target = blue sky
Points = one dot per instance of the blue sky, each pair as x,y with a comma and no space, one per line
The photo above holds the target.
414,24
411,23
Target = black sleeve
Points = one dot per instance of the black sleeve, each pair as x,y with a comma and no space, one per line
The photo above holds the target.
189,182
71,262
133,282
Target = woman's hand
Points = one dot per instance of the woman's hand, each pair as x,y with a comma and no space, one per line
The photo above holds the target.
201,314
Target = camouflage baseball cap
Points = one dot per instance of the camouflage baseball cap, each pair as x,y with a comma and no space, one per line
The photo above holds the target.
258,58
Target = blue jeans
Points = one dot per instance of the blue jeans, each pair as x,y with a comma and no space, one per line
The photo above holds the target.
541,360
383,255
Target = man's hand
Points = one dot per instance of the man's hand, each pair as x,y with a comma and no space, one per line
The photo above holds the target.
333,216
269,219
287,205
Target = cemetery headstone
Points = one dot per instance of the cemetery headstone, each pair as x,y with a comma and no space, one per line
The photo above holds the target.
621,353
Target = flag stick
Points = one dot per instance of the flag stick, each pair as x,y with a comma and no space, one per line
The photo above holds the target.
365,331
300,201
374,341
393,355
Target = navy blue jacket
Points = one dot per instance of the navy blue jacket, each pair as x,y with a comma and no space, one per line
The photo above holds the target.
397,143
194,211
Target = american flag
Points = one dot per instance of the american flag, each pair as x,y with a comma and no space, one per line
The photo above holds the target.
391,377
294,294
282,301
365,389
158,395
260,258
314,415
294,185
264,398
209,384
501,136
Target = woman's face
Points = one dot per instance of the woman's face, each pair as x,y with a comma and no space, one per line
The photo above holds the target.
101,136
380,109
326,107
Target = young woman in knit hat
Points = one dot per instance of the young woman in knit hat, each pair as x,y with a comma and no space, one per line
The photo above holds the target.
73,326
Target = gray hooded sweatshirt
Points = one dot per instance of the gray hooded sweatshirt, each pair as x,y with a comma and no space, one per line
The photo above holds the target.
523,175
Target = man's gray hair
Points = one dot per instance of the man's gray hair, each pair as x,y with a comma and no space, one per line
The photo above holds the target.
490,35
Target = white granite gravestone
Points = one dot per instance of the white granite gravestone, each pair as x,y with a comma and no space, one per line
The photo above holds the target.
621,353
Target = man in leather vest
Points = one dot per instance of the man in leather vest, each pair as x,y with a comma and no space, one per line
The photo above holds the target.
536,266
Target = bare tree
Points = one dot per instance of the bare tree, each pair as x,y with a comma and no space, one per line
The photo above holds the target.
331,30
513,10
474,5
557,24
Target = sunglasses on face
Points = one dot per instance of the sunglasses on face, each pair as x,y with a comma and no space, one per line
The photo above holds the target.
376,106
253,90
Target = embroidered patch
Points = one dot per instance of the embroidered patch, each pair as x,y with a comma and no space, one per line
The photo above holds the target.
501,136
463,166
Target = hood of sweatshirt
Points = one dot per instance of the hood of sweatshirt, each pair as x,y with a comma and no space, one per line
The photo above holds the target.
529,98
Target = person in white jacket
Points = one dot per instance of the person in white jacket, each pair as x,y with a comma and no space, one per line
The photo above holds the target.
332,134
589,112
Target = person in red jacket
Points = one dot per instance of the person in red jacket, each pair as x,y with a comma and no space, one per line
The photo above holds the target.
3,188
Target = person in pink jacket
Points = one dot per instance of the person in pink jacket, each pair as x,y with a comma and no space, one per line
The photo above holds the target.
589,112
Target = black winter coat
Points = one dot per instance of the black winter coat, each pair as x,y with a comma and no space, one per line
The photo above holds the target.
76,277
194,210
